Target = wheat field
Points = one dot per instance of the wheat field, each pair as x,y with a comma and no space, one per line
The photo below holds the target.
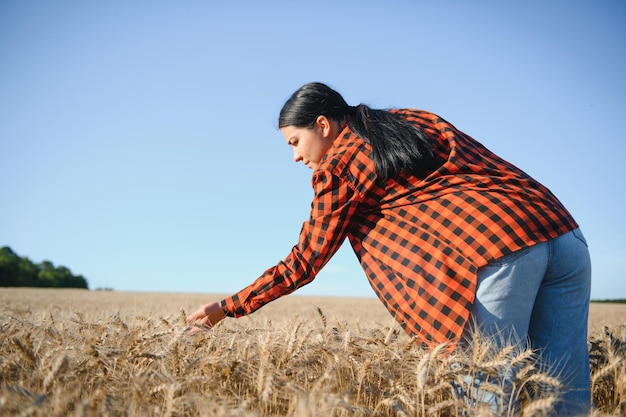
102,353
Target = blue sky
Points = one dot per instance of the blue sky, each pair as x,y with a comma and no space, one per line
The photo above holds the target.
138,140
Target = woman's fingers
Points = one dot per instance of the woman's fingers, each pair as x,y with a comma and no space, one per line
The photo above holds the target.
205,317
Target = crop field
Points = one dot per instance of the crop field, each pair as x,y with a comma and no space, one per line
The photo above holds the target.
103,353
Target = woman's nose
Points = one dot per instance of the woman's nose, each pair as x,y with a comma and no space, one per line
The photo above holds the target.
296,156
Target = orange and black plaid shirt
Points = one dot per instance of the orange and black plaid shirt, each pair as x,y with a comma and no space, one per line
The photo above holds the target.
419,241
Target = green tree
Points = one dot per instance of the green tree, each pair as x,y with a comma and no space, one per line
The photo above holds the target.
47,276
27,273
9,267
16,271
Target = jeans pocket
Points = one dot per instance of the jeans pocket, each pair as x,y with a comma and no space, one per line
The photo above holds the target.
507,259
579,235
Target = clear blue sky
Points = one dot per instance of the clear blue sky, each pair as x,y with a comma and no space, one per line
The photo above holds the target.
138,140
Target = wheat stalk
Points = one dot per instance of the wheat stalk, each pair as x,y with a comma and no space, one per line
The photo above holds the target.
59,365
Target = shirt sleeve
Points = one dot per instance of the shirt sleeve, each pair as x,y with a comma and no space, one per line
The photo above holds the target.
333,208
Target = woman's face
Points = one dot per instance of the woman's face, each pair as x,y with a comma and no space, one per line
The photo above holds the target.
310,144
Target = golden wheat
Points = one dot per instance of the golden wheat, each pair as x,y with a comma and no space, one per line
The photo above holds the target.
80,353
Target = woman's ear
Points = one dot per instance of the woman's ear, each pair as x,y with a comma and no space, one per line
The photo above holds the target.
325,125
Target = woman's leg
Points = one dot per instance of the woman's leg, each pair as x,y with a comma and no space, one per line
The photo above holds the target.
502,310
506,292
541,293
558,326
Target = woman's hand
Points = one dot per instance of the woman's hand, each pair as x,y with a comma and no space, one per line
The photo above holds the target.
207,316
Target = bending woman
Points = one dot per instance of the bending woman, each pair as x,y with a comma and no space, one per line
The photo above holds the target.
444,229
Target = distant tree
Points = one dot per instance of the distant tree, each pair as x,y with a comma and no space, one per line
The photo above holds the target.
9,267
47,275
28,272
65,279
16,271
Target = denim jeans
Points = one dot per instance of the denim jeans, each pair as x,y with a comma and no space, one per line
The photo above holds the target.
540,294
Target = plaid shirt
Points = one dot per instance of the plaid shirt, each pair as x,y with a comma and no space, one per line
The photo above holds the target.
419,241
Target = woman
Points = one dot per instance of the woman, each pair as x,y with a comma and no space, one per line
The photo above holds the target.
444,229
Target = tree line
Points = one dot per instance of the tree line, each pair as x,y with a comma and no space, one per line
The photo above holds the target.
16,271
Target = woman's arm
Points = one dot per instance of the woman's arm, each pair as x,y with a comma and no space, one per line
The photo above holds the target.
332,211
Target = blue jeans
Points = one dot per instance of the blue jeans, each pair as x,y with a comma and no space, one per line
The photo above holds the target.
540,295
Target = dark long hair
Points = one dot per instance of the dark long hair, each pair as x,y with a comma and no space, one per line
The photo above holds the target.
397,145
